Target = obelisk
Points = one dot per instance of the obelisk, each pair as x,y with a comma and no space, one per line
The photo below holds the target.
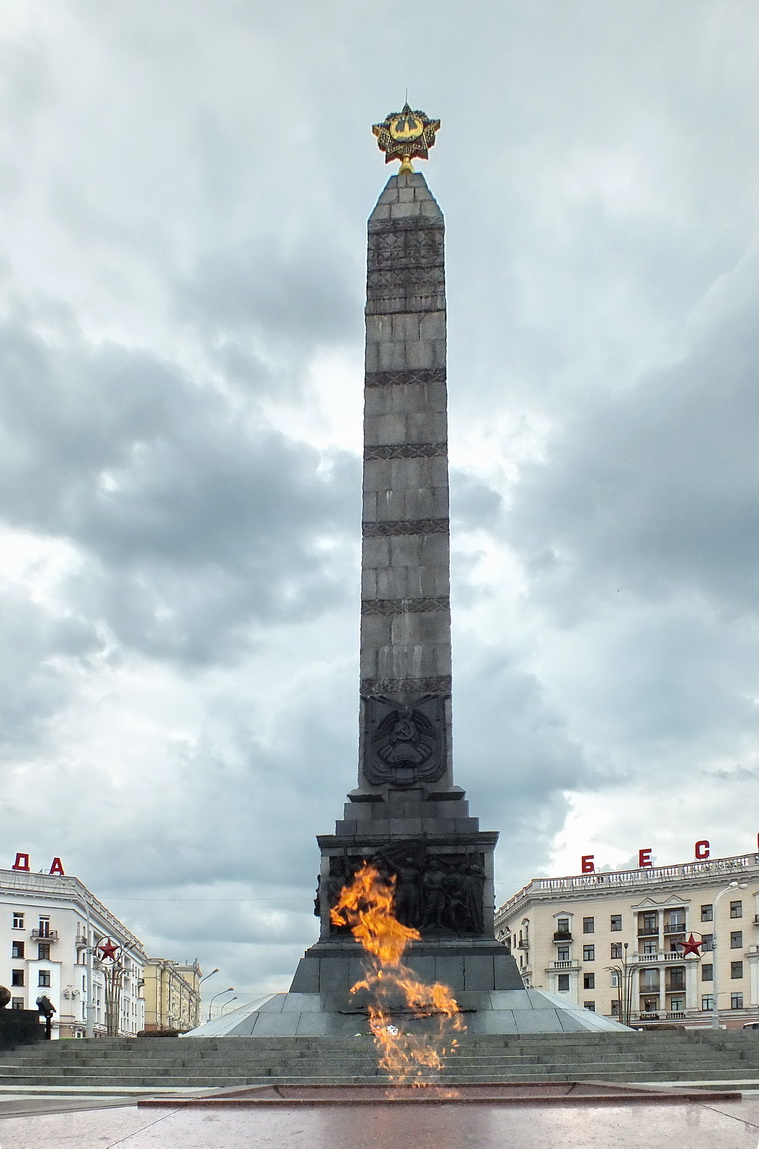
406,814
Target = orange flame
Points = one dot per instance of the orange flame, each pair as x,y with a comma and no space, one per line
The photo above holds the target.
366,906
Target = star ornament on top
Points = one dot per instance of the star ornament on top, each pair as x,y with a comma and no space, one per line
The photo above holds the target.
691,946
108,950
406,135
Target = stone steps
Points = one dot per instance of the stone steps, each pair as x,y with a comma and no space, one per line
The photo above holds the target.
215,1063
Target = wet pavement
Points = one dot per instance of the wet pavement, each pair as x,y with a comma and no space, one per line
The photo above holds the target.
382,1124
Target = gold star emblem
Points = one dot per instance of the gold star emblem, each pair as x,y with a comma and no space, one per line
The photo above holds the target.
405,135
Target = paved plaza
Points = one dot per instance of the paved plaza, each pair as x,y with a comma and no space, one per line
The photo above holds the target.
727,1124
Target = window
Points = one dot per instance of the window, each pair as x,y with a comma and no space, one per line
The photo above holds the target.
615,1009
563,983
736,909
17,949
44,977
562,953
736,1001
650,947
43,951
676,979
649,924
677,1004
707,1001
17,1003
588,953
616,949
736,969
589,981
562,925
591,1005
615,922
707,913
736,940
588,925
676,919
614,979
18,921
707,943
707,972
17,977
44,927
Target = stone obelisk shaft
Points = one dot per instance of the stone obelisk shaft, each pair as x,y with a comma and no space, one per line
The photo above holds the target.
405,604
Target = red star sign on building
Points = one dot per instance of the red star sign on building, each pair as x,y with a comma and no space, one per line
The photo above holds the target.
691,947
108,950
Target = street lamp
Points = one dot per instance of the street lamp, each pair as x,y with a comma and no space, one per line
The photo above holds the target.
213,971
715,1006
231,989
226,1004
624,974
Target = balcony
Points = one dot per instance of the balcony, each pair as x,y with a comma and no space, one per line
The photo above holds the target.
649,988
677,985
562,936
652,959
563,965
524,945
44,935
648,931
674,928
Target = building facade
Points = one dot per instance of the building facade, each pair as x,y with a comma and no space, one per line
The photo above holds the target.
172,995
617,942
51,930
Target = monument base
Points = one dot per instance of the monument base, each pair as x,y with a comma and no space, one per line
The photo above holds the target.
515,1011
461,964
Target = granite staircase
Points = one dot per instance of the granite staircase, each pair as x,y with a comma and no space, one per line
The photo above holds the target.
127,1066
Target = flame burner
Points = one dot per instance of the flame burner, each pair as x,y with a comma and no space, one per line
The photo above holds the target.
413,1024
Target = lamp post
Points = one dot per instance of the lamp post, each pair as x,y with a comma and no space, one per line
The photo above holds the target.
231,989
715,1004
624,974
226,1004
213,971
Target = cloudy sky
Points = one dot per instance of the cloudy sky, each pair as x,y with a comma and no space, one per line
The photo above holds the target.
184,191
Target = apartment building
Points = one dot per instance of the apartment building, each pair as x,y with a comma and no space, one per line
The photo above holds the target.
172,995
618,942
51,927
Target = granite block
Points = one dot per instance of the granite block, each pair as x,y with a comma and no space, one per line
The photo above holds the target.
449,970
537,1021
306,979
302,1002
423,967
438,353
333,976
510,999
406,210
276,1004
432,325
276,1024
421,353
369,507
371,358
507,975
569,1023
478,971
539,1000
376,552
491,1021
393,357
368,583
